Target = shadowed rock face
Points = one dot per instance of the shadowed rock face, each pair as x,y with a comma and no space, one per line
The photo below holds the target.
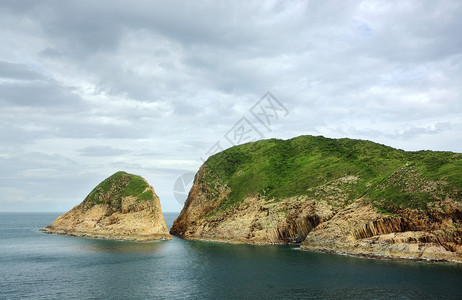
255,221
408,234
345,196
124,206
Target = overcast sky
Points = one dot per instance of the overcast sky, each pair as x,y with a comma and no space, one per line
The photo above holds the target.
88,88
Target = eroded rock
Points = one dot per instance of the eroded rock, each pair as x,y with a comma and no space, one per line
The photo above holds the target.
123,207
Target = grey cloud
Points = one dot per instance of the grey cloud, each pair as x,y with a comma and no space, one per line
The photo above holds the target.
17,71
88,26
409,133
41,182
430,31
403,132
39,94
101,151
29,171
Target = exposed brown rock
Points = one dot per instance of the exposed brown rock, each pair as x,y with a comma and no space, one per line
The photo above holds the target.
115,216
360,230
255,221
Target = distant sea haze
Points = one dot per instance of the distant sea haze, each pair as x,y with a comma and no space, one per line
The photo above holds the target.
35,265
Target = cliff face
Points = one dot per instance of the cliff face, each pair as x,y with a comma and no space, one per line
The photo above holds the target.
343,196
360,230
254,221
124,206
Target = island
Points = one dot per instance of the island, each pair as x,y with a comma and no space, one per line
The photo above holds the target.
122,207
344,196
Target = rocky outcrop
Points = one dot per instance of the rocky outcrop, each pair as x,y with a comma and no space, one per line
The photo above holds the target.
254,221
122,207
360,230
257,222
344,196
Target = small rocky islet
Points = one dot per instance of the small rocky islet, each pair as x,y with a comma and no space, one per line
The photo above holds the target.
333,195
122,207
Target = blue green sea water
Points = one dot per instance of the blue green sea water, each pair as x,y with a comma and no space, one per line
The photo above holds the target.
35,265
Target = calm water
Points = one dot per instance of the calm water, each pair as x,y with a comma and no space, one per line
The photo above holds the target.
37,265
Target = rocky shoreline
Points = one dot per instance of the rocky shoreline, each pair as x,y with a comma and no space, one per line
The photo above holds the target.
357,230
365,255
384,257
117,237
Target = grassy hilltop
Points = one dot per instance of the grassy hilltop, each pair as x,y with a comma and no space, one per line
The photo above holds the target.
119,185
335,170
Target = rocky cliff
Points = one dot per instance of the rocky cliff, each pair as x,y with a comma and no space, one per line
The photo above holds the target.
337,195
124,206
358,229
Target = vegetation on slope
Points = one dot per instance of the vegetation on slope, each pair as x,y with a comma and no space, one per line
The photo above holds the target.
119,185
335,170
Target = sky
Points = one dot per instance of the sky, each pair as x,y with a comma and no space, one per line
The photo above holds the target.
88,88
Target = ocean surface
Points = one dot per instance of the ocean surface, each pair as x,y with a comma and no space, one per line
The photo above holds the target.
35,265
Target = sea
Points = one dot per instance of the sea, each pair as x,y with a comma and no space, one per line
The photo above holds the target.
36,265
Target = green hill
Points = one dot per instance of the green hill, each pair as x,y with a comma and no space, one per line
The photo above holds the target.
340,195
312,166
